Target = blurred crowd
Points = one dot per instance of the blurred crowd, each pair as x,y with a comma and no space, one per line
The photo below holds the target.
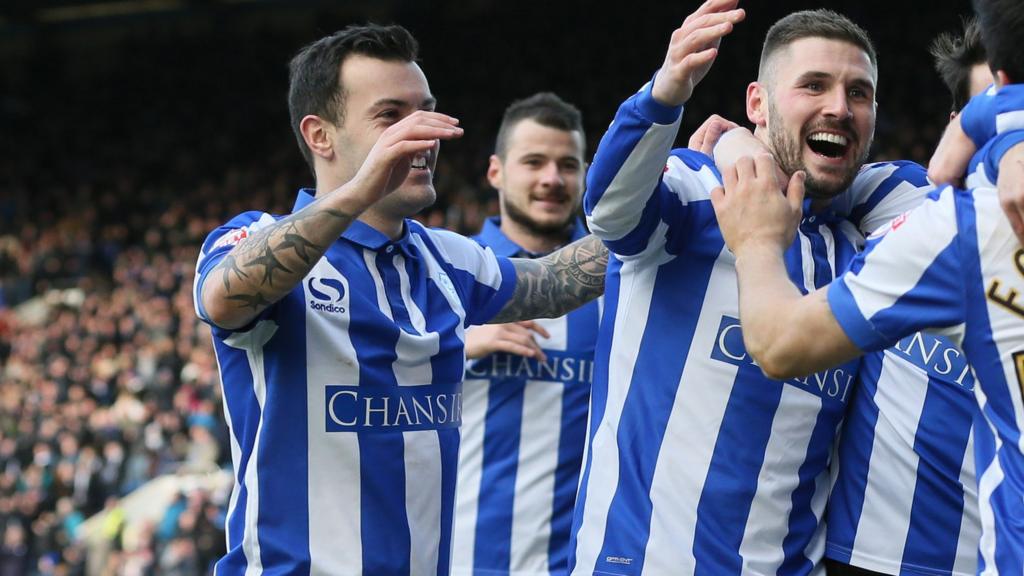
116,162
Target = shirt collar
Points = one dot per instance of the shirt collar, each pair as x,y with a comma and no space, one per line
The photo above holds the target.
492,236
358,232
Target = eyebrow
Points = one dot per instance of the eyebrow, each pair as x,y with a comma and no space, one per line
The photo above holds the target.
427,102
816,75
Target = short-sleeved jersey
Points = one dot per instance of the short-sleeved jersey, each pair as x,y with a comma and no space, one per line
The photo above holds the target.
697,462
524,427
344,399
955,264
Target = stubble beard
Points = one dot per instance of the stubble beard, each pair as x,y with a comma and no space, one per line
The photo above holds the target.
553,231
788,154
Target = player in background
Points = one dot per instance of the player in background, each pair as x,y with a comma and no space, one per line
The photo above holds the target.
527,386
904,495
697,462
953,263
339,329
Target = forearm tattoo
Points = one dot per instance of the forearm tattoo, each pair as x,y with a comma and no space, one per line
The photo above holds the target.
264,267
560,282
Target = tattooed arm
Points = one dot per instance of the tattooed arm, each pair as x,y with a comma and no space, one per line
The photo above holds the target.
267,265
264,267
558,283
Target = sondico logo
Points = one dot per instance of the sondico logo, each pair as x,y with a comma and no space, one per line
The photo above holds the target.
327,294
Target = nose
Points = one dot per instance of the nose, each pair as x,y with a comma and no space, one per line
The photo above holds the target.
551,176
837,104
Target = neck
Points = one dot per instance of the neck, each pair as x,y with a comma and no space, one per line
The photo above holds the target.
534,241
389,226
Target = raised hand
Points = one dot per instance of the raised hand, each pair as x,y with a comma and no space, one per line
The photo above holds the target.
693,49
389,161
751,209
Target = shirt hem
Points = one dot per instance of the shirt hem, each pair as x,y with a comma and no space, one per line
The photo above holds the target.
888,566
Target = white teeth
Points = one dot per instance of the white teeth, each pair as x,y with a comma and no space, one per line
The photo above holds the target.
419,162
828,137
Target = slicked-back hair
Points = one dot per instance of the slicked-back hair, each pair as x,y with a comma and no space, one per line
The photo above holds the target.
544,108
314,74
955,57
821,23
1001,23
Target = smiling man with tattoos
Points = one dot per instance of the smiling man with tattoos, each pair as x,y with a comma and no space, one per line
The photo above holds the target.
339,329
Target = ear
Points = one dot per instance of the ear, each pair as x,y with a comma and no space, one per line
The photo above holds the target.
318,135
495,172
1001,78
757,104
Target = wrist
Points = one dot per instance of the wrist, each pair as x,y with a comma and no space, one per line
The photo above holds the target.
759,250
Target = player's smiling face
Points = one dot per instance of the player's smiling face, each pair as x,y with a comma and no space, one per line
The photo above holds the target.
379,93
541,177
819,111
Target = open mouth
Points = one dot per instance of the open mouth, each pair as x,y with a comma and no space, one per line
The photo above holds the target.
419,162
829,145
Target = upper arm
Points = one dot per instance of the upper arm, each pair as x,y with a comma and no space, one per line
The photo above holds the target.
908,279
218,244
558,283
992,112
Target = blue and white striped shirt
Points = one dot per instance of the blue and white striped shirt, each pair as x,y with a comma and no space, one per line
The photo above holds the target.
524,425
697,463
954,263
344,399
904,495
904,498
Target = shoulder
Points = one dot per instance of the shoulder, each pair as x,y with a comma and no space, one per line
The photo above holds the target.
453,248
691,174
237,229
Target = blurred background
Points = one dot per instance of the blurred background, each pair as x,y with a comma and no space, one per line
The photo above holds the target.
130,129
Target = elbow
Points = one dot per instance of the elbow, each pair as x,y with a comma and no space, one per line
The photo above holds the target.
220,314
776,360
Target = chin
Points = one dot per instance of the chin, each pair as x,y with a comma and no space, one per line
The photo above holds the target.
410,200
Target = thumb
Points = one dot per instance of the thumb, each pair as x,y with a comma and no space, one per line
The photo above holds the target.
795,190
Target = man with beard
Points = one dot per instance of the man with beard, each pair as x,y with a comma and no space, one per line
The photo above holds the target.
952,264
527,385
698,462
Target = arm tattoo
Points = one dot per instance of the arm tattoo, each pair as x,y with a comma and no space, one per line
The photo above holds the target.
281,254
230,264
558,283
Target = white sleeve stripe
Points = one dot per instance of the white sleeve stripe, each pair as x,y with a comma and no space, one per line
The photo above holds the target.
619,208
920,230
1010,121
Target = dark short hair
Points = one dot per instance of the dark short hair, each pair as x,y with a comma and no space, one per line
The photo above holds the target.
955,56
314,74
1001,23
821,23
544,108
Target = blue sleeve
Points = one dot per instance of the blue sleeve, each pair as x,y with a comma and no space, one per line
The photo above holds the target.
997,148
908,279
625,192
993,112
